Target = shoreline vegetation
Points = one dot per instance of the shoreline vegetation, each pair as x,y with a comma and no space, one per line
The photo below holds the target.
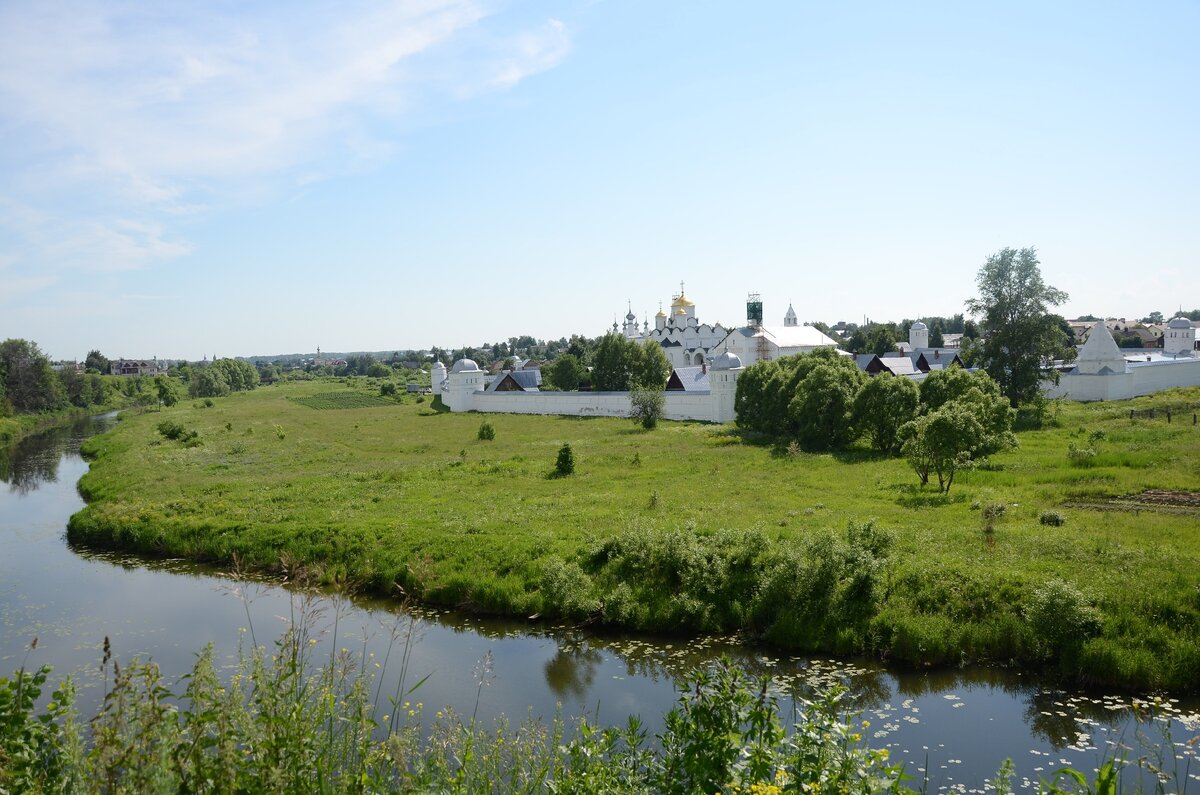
1074,553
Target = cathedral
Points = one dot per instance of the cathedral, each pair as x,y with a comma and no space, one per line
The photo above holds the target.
687,342
684,339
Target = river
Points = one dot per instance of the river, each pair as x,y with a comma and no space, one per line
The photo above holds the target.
954,727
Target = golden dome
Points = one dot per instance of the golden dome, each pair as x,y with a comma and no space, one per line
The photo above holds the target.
661,313
682,300
681,312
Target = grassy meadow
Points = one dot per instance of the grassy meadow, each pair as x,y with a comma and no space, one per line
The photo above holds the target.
1044,558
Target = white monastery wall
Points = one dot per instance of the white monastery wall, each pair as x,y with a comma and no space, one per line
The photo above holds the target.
1136,382
676,406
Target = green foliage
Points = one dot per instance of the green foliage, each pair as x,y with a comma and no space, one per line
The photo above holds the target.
27,382
167,391
387,389
612,363
487,432
566,373
809,398
1061,617
822,410
646,406
1020,336
883,405
170,429
221,377
344,400
567,590
1052,519
97,361
282,723
649,368
565,463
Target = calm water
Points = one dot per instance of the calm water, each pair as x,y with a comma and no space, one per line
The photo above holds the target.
955,727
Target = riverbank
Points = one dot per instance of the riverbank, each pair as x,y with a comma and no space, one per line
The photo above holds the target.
14,429
689,528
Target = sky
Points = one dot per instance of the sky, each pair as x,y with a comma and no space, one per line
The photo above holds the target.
248,178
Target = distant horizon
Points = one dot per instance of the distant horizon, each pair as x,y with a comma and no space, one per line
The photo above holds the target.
426,349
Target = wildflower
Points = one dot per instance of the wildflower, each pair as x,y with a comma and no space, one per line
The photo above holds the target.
866,724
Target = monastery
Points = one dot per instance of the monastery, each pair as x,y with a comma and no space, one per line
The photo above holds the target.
689,343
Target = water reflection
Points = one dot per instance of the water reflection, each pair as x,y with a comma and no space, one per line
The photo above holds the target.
33,461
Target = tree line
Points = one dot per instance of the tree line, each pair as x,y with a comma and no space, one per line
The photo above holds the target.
822,402
29,384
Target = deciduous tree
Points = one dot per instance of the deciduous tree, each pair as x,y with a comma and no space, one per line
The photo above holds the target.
1020,336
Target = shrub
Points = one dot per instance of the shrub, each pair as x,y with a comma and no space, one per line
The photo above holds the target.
565,465
567,590
387,390
486,432
1060,617
171,429
646,406
1081,456
1052,518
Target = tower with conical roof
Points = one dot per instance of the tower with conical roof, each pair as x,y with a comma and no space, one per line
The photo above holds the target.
790,319
1100,354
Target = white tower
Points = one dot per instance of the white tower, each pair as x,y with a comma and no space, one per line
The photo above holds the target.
1100,354
790,318
1180,337
660,320
918,336
464,380
722,383
437,377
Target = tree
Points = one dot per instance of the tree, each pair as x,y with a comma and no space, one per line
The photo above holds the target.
822,409
167,391
96,361
30,384
649,367
612,363
936,338
646,405
1153,317
883,405
566,373
1020,336
944,441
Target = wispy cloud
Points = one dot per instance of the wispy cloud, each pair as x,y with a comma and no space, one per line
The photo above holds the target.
120,117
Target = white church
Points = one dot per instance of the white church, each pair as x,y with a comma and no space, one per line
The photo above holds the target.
688,342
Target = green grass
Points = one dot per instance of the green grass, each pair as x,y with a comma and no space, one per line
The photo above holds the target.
687,528
344,400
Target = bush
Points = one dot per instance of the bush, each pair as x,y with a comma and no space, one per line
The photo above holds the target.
173,430
387,390
1081,456
486,432
567,590
646,406
1052,518
565,465
1060,617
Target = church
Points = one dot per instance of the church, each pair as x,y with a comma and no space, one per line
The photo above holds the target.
1103,371
684,339
687,342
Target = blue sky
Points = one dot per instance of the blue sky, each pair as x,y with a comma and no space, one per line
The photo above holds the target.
182,179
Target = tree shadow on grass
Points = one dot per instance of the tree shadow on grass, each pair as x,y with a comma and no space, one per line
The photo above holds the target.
916,496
